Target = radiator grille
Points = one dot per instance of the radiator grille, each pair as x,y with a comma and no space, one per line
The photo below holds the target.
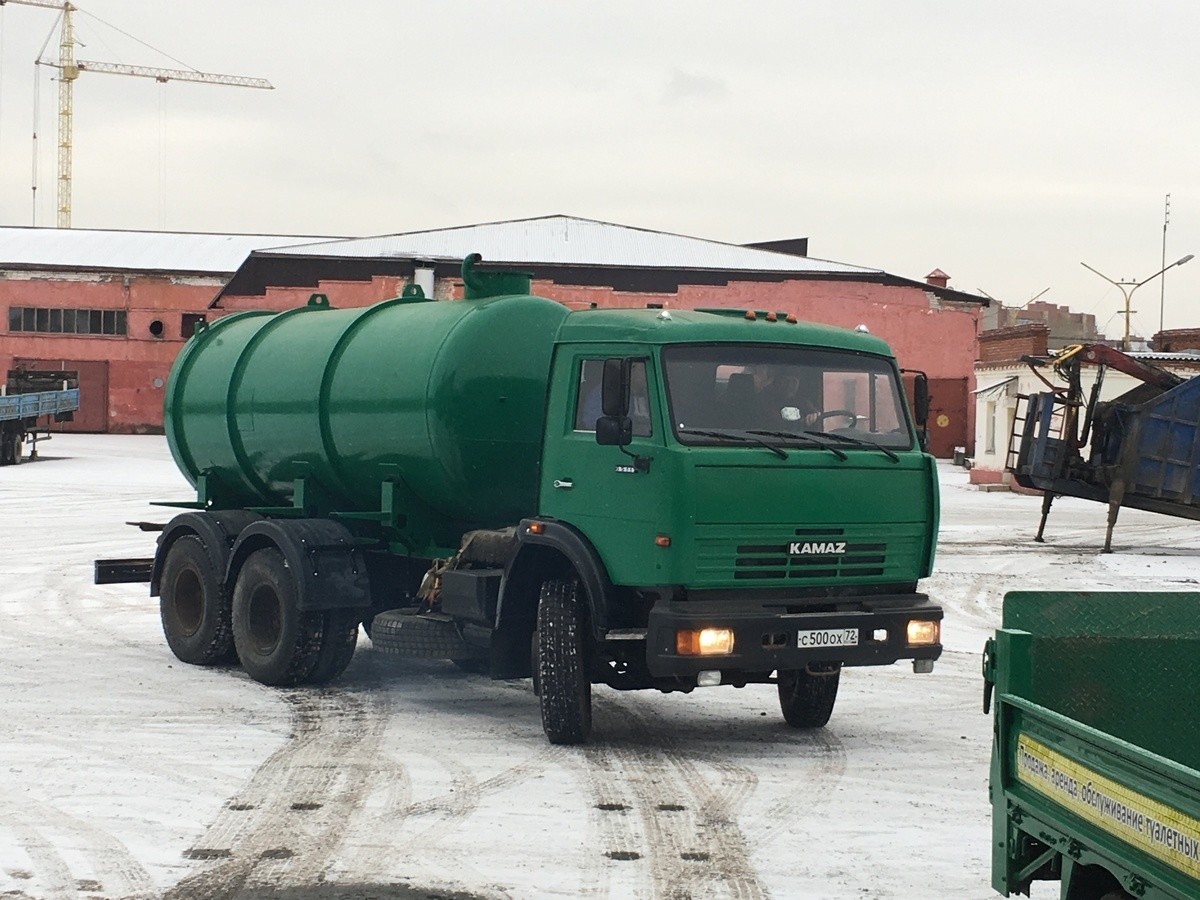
764,553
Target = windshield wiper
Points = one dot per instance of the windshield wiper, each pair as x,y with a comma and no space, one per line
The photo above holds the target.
730,436
795,436
857,442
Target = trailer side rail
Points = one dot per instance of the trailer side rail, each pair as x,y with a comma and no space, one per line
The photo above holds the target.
42,403
1066,795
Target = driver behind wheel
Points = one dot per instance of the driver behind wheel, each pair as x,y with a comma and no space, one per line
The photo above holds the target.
778,395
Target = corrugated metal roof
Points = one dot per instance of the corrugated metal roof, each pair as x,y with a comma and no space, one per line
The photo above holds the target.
570,241
139,251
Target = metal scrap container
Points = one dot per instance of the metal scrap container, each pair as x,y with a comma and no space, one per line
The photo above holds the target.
1166,446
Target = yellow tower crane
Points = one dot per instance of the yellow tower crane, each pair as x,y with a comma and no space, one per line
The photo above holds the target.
69,69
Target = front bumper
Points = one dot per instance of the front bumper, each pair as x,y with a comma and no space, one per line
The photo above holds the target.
765,637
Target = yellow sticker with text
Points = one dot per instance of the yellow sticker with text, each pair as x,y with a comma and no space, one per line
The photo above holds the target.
1152,827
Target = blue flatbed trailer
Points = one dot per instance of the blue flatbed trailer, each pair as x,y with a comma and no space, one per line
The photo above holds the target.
20,414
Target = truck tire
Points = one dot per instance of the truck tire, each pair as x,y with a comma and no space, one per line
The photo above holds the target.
339,637
277,643
194,606
8,449
564,682
807,697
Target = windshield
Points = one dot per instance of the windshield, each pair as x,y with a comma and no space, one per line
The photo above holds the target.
783,391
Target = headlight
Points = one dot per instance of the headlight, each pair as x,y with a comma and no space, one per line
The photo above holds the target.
704,642
921,633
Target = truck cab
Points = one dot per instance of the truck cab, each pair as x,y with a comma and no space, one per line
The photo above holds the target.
745,495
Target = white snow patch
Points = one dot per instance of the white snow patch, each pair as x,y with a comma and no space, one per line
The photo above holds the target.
124,772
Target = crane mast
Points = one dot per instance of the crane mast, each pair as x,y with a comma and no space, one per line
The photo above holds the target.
69,70
67,73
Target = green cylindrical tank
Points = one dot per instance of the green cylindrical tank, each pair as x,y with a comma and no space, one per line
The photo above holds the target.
439,405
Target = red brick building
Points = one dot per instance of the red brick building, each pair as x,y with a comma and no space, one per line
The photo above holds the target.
115,306
931,327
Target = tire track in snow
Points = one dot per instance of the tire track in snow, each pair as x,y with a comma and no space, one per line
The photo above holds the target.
812,782
112,868
285,827
664,804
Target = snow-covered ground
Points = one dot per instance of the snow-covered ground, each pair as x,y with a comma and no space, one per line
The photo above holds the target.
124,773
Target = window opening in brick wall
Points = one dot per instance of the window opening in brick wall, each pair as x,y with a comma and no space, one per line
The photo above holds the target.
188,324
55,320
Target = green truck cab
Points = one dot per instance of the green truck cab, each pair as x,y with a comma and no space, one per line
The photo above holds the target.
1095,779
638,498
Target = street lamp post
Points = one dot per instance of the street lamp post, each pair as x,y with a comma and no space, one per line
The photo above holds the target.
1128,287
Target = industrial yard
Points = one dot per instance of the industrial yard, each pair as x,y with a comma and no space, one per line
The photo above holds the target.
124,773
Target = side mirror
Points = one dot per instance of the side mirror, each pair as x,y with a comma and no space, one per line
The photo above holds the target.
921,399
614,431
614,389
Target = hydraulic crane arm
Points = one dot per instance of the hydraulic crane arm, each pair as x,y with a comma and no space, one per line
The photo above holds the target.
1101,355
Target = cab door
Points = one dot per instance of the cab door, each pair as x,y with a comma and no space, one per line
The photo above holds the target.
616,499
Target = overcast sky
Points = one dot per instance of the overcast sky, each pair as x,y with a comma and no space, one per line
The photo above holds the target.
1005,143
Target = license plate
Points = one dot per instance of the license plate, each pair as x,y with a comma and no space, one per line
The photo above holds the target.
827,637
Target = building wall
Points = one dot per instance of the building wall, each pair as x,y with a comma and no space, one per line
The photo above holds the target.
937,338
137,362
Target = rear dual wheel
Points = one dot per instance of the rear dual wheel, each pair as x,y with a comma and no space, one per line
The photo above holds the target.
277,642
194,605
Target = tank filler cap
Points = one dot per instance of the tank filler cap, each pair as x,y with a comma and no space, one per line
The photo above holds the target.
664,315
862,329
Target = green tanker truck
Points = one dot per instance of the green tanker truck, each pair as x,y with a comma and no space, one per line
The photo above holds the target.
638,498
1095,777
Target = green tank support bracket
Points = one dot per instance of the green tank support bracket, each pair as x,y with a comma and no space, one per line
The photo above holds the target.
205,489
319,301
304,503
389,514
481,285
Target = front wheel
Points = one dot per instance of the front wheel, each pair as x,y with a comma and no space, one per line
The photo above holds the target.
806,696
277,643
562,676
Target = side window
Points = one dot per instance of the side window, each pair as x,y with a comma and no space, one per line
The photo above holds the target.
588,407
587,404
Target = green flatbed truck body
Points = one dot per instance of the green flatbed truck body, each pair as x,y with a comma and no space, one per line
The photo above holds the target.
1096,758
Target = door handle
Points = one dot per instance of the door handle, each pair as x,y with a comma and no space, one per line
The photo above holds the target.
565,483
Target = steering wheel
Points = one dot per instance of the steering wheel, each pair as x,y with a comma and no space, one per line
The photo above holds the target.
830,413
